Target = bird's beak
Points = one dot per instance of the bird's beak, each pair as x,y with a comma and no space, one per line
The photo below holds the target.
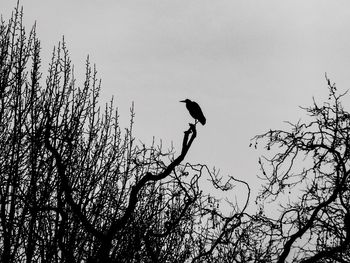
182,101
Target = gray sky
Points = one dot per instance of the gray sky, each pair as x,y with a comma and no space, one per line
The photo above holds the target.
249,64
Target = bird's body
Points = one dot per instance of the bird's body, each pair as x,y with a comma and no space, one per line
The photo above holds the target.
195,110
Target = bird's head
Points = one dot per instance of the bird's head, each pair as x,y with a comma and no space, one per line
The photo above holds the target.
185,101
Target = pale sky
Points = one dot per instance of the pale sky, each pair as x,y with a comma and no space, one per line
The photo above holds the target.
249,64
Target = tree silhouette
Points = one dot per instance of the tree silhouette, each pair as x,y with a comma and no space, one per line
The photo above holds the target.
76,187
308,174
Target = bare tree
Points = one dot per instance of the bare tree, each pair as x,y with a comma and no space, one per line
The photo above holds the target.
307,173
75,187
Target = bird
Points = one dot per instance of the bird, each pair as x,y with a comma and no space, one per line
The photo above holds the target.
195,111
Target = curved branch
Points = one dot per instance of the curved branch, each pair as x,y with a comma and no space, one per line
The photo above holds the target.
301,232
120,222
61,170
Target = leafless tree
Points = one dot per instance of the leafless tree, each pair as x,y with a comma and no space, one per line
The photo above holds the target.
75,187
307,173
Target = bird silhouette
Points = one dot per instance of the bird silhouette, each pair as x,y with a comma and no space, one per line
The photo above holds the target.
195,111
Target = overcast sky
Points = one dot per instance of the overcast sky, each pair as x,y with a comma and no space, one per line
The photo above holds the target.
249,64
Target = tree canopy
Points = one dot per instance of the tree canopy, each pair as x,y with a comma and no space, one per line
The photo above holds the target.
77,187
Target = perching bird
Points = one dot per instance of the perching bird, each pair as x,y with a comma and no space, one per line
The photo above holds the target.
195,111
